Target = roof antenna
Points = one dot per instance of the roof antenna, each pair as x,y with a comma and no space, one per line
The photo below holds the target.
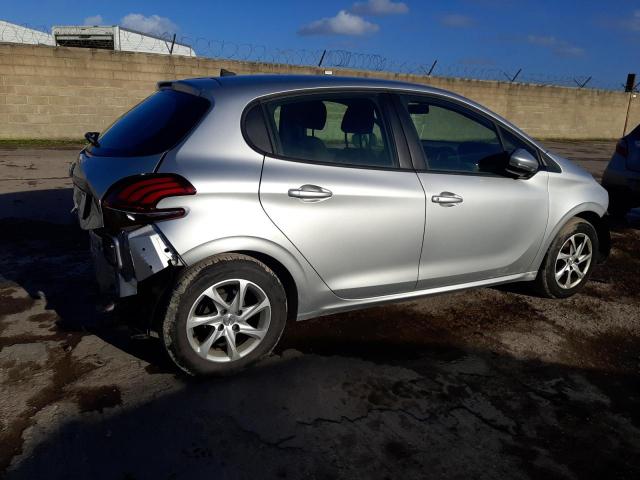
227,73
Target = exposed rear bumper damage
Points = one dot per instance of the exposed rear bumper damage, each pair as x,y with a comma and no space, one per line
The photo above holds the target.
122,261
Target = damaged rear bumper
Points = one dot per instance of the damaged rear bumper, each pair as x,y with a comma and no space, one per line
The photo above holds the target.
122,261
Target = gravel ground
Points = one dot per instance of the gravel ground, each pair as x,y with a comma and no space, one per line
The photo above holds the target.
489,383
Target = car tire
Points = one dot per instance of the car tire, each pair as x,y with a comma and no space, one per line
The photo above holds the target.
205,293
563,256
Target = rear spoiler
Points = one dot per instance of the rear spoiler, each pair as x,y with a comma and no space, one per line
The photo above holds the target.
179,87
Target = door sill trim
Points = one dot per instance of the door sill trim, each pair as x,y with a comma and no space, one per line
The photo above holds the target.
344,305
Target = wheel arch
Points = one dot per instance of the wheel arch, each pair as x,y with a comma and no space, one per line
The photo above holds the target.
285,277
591,212
602,229
293,274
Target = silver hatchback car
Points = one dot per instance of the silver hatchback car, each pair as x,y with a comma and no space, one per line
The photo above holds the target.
231,205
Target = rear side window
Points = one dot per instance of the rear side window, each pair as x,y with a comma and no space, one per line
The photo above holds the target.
153,126
339,129
256,131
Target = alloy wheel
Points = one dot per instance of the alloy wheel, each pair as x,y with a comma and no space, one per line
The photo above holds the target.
573,261
228,320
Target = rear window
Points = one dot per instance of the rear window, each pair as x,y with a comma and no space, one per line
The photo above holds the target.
153,126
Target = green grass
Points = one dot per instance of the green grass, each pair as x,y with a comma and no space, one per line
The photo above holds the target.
42,143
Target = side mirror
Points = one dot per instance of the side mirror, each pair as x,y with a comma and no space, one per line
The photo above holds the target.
92,138
522,163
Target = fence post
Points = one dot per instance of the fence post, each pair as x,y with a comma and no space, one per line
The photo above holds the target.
322,57
432,67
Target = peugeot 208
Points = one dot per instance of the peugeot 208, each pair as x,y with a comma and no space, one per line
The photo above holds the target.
234,204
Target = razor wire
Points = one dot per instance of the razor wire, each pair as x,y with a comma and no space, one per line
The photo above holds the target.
351,60
167,42
32,35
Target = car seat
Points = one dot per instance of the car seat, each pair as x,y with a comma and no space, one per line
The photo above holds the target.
295,120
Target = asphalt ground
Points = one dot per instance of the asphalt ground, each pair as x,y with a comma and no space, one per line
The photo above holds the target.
487,383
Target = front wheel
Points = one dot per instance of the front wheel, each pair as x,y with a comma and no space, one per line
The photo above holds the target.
224,314
569,260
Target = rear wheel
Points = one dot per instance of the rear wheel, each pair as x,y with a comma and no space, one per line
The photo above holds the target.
224,314
569,260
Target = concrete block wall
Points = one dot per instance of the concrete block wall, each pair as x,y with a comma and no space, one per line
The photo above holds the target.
57,92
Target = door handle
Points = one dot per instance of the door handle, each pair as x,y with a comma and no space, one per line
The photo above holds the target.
310,193
447,199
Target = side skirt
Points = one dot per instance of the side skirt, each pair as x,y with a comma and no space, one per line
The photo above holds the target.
346,305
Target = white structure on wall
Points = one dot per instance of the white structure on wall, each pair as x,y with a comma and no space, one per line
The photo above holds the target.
107,38
12,33
118,38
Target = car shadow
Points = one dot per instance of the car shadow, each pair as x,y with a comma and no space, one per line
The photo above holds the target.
43,250
380,393
455,413
51,205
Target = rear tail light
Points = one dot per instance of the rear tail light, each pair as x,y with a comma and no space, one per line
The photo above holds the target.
133,200
622,148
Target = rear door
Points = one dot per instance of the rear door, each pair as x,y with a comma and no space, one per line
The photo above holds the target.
336,187
481,223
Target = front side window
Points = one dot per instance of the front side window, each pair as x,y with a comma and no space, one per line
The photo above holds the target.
454,140
337,129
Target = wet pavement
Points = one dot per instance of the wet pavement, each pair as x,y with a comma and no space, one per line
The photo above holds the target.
489,383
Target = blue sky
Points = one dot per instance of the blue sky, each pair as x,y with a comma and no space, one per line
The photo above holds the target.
544,37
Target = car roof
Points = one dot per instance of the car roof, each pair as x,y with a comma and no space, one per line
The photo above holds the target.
269,83
311,81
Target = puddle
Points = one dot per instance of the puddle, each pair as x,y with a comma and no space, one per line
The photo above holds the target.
96,399
10,305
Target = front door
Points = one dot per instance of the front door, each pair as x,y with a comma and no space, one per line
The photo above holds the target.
335,189
481,223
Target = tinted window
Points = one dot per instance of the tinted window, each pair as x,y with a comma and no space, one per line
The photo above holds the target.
256,130
153,126
454,140
512,143
338,129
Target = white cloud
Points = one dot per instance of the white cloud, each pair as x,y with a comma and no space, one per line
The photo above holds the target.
456,20
94,20
154,24
379,7
344,23
632,23
557,46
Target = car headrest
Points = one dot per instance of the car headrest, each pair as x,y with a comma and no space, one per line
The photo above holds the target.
311,114
359,117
